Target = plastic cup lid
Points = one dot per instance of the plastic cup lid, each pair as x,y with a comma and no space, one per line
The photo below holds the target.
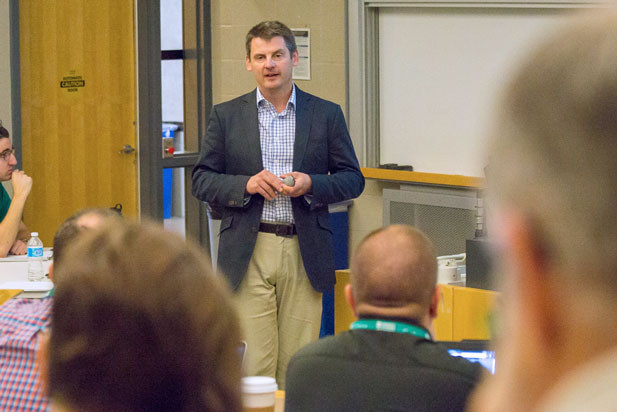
258,384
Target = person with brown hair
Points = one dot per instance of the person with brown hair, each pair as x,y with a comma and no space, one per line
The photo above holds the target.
552,181
13,232
388,361
275,242
141,323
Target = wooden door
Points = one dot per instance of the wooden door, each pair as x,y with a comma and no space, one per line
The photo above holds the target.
78,105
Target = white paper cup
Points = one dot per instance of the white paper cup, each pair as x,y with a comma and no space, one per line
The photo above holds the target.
258,393
448,272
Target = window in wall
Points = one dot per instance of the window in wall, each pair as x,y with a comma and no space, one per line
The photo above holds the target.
172,105
185,101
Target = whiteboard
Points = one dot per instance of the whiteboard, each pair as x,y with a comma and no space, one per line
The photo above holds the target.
441,71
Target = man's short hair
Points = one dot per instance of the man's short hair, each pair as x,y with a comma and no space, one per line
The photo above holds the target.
554,150
142,323
267,30
3,132
70,229
398,270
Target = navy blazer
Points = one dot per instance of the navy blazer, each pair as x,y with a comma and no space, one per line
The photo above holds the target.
231,154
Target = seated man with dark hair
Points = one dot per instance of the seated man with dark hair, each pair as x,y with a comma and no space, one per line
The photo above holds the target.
141,323
388,361
13,232
21,323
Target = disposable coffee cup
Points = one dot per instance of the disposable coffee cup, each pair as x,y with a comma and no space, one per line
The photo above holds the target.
448,272
258,393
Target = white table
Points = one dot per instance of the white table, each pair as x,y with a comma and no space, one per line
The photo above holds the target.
17,271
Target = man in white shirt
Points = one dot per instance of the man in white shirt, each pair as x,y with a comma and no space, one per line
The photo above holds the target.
552,174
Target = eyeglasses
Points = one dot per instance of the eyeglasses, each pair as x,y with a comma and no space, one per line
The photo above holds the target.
6,155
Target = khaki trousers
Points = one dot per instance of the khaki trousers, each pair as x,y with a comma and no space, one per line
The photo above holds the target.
279,310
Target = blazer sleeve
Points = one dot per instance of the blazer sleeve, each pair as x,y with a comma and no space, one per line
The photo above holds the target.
211,184
344,180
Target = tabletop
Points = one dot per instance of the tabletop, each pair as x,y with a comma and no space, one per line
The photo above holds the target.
14,275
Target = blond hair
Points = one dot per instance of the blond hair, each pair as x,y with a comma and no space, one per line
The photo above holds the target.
554,149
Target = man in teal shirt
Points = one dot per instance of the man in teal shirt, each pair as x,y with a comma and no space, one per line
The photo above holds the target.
13,231
5,202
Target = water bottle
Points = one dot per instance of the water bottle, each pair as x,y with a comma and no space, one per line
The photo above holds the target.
35,258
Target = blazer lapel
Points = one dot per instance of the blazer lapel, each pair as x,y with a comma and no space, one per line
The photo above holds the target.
251,130
304,114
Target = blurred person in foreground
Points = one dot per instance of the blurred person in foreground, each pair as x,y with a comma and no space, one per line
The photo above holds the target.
23,320
141,323
13,232
388,361
553,170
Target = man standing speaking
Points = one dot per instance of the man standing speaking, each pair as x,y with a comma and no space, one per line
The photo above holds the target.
275,243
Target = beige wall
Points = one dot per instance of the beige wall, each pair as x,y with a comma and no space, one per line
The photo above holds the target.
366,214
5,65
232,19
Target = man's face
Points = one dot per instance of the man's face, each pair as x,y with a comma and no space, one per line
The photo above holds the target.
272,64
7,159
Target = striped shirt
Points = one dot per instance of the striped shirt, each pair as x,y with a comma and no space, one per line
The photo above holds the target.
21,321
277,133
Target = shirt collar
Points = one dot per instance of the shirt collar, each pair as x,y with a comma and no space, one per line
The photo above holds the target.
292,98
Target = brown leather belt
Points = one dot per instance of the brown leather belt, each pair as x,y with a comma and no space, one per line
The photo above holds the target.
278,229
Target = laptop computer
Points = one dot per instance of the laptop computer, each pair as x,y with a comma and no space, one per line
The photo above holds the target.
474,351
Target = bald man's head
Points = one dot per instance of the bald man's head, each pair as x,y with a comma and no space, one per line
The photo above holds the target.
394,273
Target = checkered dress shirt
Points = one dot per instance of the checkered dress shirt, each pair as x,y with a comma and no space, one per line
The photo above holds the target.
277,133
21,320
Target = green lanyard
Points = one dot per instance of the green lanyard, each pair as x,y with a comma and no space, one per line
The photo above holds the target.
389,326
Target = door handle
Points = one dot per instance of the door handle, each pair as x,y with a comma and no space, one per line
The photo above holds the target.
127,149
